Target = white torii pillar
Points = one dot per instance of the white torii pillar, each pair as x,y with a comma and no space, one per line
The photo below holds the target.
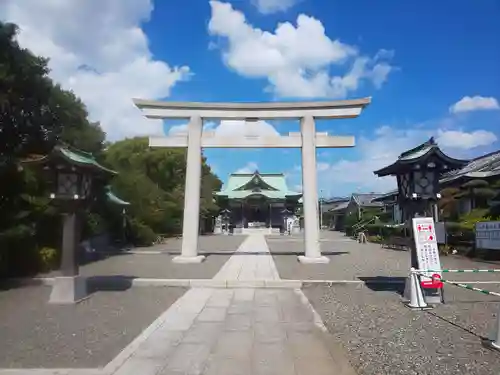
310,193
191,219
308,141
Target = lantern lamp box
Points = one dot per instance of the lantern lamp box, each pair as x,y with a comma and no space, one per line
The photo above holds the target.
424,233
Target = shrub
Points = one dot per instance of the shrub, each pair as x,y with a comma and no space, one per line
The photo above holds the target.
142,235
375,239
384,231
445,250
48,259
18,255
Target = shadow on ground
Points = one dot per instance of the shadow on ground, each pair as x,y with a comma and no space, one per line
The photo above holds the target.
385,284
19,283
114,283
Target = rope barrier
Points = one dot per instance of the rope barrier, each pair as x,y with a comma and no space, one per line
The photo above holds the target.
465,286
491,270
417,300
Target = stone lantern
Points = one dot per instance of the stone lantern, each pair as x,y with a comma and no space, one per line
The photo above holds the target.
225,219
418,172
76,180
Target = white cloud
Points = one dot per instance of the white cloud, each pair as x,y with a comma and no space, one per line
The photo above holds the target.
231,128
273,6
465,140
250,167
98,50
322,166
294,59
474,103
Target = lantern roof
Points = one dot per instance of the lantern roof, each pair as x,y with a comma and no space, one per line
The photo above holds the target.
72,156
419,154
114,199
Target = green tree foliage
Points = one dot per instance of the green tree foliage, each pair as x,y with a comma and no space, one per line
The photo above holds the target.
152,180
448,204
35,115
480,192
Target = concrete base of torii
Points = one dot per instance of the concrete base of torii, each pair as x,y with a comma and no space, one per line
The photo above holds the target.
68,290
186,260
313,260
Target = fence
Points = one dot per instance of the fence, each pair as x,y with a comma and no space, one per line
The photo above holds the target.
416,295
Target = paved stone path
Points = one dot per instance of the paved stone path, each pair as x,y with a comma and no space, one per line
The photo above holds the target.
252,261
236,331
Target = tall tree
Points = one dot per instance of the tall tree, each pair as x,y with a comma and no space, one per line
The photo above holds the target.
152,180
28,121
35,113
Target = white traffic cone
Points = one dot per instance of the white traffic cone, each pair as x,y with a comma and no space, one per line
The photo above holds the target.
407,291
417,300
495,343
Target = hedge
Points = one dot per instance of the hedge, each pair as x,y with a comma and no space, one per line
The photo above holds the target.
384,231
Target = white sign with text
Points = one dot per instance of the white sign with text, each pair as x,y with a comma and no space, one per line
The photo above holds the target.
488,235
424,232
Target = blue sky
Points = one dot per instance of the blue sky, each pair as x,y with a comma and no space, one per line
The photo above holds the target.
431,68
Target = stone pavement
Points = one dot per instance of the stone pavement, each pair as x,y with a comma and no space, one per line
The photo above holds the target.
236,331
252,261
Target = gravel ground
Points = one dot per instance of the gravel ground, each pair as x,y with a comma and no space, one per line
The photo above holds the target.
150,265
384,337
206,244
89,334
350,260
154,266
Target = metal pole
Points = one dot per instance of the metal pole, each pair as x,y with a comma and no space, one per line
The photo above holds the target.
495,343
320,209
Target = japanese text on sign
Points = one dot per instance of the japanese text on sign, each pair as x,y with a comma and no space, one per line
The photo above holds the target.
424,232
488,235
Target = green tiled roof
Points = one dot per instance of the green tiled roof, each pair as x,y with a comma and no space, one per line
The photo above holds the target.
114,199
419,154
272,185
84,158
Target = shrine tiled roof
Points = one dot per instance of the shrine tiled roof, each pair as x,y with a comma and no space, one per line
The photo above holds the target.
366,200
420,153
342,206
481,167
270,185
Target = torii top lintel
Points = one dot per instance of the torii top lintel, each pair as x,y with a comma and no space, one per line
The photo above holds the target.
250,111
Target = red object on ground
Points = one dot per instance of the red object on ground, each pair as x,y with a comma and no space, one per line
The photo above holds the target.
435,283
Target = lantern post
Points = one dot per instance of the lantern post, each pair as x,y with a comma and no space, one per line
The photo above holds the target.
76,180
418,172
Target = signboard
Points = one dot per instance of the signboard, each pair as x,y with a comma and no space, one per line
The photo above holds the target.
424,232
488,235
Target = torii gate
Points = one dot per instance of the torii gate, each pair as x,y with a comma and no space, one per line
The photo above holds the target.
307,139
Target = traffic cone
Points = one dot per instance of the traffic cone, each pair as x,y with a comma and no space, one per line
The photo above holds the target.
407,291
495,343
417,300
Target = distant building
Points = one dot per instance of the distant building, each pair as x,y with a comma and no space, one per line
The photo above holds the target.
485,167
357,204
257,200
